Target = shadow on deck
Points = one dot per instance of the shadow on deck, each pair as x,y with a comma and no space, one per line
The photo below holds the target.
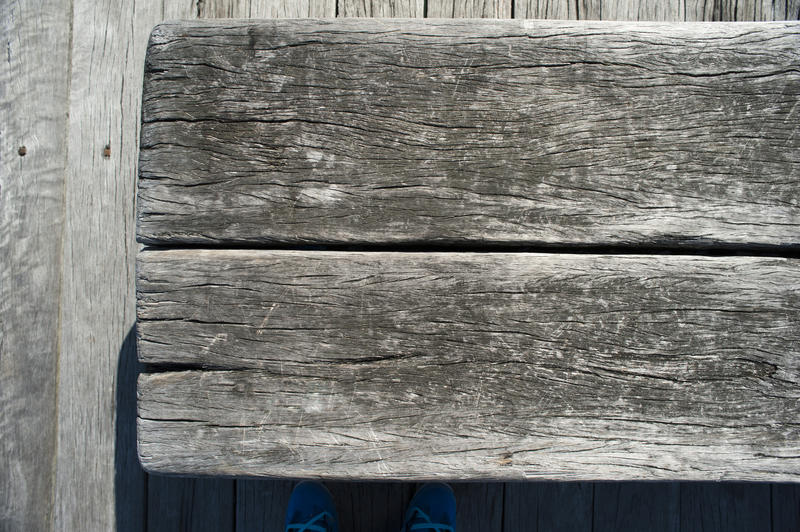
155,503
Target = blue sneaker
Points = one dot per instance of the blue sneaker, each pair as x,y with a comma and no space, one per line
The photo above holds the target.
311,509
433,508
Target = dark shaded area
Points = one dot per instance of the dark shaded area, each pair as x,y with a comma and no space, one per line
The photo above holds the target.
191,504
156,503
686,247
130,480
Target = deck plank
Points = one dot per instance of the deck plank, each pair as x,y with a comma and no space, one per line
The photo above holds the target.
382,8
261,504
696,154
97,486
190,504
635,506
371,505
548,506
33,129
479,506
469,8
724,507
785,507
256,9
662,367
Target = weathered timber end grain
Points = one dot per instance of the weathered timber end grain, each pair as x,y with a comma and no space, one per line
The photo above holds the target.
441,131
469,365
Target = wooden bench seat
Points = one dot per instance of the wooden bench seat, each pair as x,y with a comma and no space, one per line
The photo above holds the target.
470,250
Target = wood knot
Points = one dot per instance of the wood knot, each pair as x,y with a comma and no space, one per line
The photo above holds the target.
506,459
22,151
107,151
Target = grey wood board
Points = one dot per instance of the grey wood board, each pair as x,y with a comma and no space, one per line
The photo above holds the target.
469,8
445,131
266,8
501,365
382,8
33,120
659,10
97,301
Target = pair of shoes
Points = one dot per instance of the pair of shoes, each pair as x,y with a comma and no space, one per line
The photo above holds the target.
311,509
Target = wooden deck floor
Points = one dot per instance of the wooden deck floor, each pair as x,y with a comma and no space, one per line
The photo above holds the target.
69,115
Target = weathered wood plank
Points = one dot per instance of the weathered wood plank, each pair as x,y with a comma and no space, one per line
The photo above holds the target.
508,131
266,9
97,487
33,129
547,9
382,8
545,506
502,365
659,10
469,8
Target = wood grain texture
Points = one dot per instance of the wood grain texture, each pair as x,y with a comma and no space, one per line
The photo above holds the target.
33,120
469,8
266,8
445,131
502,365
97,297
382,8
659,10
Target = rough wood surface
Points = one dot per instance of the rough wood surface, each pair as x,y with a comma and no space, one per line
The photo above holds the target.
99,485
445,131
415,365
469,8
266,9
382,8
33,118
661,10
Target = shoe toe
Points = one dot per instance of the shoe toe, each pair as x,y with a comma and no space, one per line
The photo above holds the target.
309,499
